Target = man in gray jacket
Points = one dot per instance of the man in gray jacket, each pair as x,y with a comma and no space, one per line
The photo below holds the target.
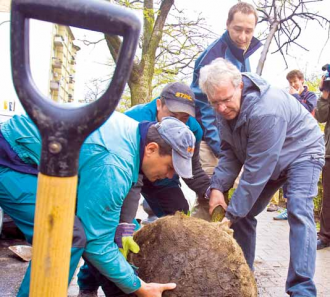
278,141
322,114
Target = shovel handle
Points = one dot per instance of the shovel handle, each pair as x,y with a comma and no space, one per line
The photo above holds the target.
63,130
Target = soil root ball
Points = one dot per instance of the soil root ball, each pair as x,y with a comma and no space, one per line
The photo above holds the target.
202,258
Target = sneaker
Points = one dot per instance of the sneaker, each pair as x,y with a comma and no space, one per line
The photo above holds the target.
149,219
322,245
282,216
272,207
87,293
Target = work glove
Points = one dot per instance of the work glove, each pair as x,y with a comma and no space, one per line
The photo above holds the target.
124,239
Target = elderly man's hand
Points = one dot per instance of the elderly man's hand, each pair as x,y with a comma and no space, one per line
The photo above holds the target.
216,198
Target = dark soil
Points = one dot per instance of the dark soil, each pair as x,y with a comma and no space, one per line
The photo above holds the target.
202,258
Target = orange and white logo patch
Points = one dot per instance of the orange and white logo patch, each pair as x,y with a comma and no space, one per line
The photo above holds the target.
183,95
190,149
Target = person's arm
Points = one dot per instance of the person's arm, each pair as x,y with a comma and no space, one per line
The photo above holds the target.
308,101
206,116
266,138
227,170
200,181
131,202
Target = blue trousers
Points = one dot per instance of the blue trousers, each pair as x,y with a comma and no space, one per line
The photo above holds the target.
165,197
18,198
301,180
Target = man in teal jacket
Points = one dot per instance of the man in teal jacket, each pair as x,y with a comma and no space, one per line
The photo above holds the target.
109,164
164,196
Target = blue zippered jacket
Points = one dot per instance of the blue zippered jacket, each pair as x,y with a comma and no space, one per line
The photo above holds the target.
108,166
307,98
205,115
271,131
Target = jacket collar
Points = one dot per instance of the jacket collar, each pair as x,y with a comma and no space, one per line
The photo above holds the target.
254,87
239,53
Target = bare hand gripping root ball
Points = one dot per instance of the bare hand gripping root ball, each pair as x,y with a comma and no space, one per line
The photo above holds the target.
202,258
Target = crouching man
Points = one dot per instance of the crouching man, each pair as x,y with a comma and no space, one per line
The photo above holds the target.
109,164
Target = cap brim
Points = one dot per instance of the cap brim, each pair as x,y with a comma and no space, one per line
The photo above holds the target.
176,106
182,166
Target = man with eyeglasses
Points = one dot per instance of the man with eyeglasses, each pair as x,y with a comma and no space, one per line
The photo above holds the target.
236,45
278,141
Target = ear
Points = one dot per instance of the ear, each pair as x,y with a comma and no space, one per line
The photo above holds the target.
151,148
241,85
159,104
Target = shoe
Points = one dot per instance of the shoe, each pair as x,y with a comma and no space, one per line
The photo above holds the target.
272,207
322,245
149,219
87,293
282,216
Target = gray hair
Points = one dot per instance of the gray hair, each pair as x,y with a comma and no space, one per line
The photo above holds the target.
212,76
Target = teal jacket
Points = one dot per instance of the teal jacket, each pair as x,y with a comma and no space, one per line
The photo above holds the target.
148,112
108,166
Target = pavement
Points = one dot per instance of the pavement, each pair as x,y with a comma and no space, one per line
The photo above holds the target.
272,259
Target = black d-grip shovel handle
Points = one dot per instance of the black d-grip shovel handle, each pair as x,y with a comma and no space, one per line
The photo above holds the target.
63,130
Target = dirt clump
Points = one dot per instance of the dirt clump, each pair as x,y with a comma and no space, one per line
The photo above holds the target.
202,258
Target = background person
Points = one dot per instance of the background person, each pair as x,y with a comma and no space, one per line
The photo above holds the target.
236,45
322,114
308,99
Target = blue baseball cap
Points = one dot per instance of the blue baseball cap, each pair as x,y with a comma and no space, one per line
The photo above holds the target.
182,140
179,98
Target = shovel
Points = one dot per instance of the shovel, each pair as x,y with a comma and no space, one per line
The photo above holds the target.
63,130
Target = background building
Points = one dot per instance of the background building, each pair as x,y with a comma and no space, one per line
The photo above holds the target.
52,62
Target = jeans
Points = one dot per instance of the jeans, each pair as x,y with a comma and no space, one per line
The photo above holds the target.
17,198
301,180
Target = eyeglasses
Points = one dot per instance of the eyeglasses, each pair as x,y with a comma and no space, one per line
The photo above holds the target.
225,102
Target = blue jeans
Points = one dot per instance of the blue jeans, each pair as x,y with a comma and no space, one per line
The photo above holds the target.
17,198
301,187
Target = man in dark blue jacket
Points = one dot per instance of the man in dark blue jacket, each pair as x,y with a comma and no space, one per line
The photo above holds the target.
236,45
165,196
279,142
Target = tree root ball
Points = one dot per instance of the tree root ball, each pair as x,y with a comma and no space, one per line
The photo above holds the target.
202,258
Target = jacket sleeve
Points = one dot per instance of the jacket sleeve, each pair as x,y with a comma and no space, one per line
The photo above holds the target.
200,182
265,141
227,170
206,117
322,110
99,203
309,101
131,202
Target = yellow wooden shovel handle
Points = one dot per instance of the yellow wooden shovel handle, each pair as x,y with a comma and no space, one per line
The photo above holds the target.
52,239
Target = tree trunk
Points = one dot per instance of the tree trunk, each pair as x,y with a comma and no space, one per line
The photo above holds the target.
265,50
140,80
